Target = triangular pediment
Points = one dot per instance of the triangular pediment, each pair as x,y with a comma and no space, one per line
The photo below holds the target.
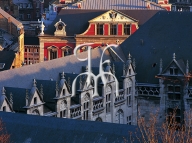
174,68
114,16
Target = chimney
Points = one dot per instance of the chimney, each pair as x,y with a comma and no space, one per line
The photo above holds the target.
148,4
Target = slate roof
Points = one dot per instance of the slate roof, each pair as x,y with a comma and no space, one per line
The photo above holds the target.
36,129
115,4
19,95
77,20
31,41
7,57
164,34
23,77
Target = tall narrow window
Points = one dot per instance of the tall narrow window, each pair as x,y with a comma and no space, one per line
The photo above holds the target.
127,29
86,107
35,100
108,99
113,29
99,29
129,120
4,108
119,116
53,54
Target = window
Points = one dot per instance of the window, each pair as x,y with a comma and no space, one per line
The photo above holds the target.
28,16
35,100
37,5
108,103
129,71
173,71
119,116
86,107
113,29
37,14
67,52
126,29
4,108
63,92
129,120
21,16
25,49
99,29
53,54
129,100
98,119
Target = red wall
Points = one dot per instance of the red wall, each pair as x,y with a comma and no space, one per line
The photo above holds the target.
106,29
91,30
59,45
120,29
133,28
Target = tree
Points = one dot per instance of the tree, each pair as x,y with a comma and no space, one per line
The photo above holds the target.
4,137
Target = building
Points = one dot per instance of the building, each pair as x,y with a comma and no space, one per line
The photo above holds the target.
31,54
29,10
98,26
12,37
181,5
10,8
50,97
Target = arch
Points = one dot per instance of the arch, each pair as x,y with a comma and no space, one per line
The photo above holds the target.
86,97
67,50
119,116
35,112
99,119
53,52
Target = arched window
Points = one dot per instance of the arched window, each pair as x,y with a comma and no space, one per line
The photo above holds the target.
67,51
63,109
108,98
86,100
119,116
99,119
35,112
128,91
52,52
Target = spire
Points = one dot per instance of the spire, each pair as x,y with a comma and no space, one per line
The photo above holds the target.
124,69
187,67
129,59
3,91
161,66
57,87
27,98
174,56
69,83
114,69
86,68
41,90
129,56
81,83
34,83
62,75
11,99
109,63
134,65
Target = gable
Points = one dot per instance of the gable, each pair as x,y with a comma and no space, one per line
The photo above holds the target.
35,98
7,105
114,16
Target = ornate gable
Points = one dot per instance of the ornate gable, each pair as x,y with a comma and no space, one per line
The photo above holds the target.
113,16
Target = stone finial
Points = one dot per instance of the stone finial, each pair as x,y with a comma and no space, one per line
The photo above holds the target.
27,95
187,67
62,75
41,89
114,69
60,20
57,87
134,65
42,28
81,83
174,56
27,98
34,83
86,68
124,69
3,91
11,98
69,82
129,56
161,65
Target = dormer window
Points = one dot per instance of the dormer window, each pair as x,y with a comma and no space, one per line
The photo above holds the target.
127,29
100,29
173,71
35,100
4,108
60,26
113,29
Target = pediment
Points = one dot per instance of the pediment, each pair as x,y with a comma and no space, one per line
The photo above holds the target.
114,16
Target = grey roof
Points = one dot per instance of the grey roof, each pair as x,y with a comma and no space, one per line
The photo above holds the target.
31,41
7,57
19,100
22,77
38,129
164,34
115,4
77,20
